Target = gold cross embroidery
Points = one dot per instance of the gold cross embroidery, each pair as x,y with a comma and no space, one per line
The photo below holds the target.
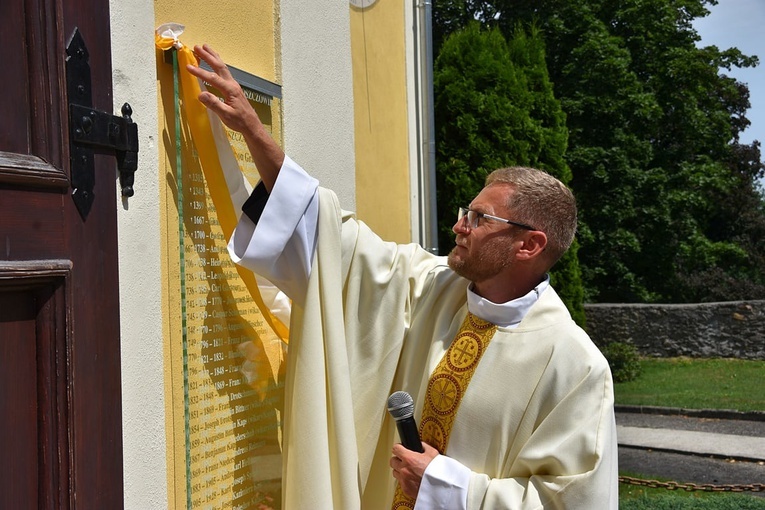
446,387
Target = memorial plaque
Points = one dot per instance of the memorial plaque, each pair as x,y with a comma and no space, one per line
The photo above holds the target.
231,388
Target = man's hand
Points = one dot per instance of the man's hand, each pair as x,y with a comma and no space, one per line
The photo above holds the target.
236,112
408,467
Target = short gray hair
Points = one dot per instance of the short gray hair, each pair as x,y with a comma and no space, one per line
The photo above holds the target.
542,201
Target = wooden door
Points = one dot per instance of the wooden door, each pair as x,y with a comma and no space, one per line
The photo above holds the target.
60,402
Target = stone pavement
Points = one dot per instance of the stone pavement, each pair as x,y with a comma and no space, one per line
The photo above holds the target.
726,446
723,435
701,447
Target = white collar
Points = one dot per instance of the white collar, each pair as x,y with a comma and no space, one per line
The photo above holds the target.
506,315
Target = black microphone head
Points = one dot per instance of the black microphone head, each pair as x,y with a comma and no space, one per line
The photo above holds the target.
400,405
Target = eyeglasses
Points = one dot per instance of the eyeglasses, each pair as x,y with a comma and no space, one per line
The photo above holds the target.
474,216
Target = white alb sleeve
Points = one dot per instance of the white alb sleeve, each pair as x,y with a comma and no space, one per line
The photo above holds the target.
281,245
444,485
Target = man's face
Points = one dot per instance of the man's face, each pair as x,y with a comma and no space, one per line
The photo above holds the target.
485,251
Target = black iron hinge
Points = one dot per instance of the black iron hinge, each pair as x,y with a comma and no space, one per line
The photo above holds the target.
91,129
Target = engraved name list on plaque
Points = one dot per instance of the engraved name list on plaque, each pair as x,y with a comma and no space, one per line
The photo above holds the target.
229,385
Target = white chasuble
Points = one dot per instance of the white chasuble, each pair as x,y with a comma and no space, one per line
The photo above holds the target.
535,425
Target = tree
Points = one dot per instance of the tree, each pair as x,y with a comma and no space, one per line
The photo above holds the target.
495,108
653,145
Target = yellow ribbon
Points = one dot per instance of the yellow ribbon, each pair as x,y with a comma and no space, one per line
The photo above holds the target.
201,133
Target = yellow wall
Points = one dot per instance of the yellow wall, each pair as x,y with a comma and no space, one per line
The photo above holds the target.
378,40
244,33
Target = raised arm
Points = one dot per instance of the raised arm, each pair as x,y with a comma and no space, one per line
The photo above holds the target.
236,113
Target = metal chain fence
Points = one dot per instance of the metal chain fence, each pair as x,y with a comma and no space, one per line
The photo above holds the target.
708,487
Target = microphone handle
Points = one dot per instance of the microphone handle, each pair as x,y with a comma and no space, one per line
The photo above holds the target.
410,437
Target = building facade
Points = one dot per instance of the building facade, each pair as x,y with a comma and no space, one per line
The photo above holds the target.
350,105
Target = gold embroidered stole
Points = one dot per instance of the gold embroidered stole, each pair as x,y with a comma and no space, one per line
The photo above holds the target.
446,387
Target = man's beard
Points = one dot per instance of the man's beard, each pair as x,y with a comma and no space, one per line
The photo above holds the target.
493,258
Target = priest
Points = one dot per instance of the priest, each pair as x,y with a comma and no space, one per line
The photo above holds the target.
514,401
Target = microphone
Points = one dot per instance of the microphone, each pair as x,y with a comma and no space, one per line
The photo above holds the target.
401,408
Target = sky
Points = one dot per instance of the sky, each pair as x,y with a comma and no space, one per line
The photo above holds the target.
740,24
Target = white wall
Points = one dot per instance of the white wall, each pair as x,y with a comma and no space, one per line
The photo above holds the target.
318,129
317,90
143,392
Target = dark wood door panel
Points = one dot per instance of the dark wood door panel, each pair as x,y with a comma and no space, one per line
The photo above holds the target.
18,399
58,268
30,41
31,225
22,170
34,397
15,103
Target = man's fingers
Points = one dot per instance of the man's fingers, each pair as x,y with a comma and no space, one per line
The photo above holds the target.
217,80
229,89
212,58
207,54
399,450
210,53
203,74
210,100
220,108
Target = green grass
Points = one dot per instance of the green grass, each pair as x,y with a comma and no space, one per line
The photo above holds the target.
717,501
635,497
692,384
696,384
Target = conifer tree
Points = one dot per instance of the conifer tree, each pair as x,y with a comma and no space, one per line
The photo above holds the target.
671,209
494,108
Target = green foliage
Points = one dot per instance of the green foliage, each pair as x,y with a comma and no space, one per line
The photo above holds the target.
624,361
495,107
669,204
484,105
566,279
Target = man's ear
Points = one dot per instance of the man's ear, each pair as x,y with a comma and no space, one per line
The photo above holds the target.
533,246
